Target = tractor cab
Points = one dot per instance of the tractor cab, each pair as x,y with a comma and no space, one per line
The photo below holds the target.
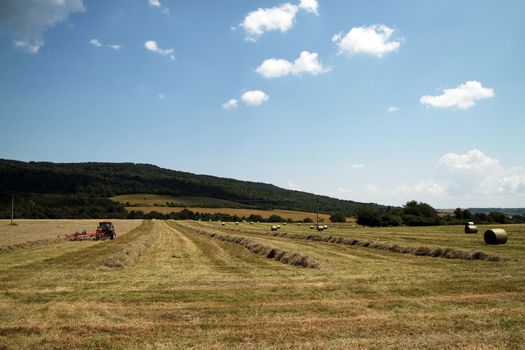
106,230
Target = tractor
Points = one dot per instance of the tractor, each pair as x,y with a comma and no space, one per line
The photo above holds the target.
105,230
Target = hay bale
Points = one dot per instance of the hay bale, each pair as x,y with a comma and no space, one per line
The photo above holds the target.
471,228
312,227
274,228
298,224
223,224
284,223
320,228
325,226
495,236
471,223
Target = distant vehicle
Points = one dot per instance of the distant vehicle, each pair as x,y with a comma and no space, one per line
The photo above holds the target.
105,230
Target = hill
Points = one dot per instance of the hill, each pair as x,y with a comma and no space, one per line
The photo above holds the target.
82,190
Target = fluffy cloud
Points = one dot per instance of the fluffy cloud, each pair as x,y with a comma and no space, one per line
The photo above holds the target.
262,20
372,40
152,46
95,42
306,63
462,97
28,20
475,173
310,6
358,166
254,97
281,18
293,186
231,104
392,109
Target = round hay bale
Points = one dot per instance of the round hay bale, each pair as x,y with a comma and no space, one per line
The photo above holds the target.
312,227
274,228
320,228
471,228
495,236
298,224
470,223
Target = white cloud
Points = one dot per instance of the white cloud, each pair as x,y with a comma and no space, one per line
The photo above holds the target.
254,97
293,186
231,104
392,109
28,20
462,97
307,62
115,47
345,190
422,188
157,4
358,166
310,6
477,174
152,46
95,42
161,96
372,40
262,20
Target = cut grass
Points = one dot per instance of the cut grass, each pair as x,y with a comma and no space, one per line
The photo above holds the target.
189,291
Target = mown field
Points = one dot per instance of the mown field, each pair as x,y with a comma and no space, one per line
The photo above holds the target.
167,284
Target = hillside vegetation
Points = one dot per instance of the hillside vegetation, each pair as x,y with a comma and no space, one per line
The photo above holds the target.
81,190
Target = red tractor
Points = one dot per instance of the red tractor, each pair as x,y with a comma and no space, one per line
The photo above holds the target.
105,230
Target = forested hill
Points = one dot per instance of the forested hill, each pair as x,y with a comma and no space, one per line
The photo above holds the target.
64,184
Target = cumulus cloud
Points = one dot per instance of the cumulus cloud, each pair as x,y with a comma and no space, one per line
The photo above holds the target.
371,40
310,6
95,42
392,109
28,20
152,46
231,104
262,20
254,97
478,174
463,97
307,62
281,17
358,166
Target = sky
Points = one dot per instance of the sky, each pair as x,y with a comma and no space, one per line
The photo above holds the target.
373,101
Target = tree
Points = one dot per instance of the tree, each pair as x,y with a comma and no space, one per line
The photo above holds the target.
338,217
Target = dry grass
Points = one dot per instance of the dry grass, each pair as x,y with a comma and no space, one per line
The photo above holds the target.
285,214
190,291
33,233
270,252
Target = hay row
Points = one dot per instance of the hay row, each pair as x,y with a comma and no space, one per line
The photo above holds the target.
29,244
129,253
440,252
282,256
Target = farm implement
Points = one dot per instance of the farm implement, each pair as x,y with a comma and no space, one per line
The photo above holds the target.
105,230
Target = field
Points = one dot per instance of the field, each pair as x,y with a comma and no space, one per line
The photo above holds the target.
149,200
285,214
168,284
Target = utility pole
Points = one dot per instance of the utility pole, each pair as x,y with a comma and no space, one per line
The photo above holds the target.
12,208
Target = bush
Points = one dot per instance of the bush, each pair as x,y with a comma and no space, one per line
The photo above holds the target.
338,217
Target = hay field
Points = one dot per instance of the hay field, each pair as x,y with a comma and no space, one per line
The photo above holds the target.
145,200
28,231
180,285
285,214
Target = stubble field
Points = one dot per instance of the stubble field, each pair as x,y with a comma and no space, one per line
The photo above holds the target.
168,284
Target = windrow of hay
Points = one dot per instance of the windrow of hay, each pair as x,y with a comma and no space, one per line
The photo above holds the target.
282,256
128,253
435,252
29,244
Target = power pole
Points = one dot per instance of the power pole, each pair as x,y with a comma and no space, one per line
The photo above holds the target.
12,207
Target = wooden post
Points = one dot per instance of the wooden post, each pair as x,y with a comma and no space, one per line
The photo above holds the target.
12,207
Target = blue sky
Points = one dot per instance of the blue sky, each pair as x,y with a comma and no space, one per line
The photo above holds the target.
375,101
